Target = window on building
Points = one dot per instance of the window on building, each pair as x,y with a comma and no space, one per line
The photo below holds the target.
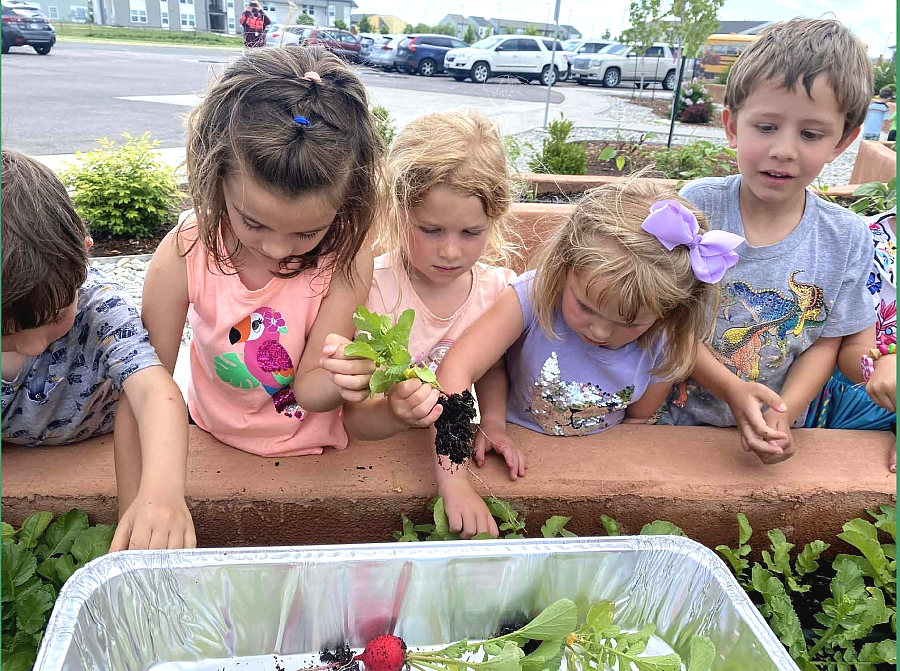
164,17
231,26
188,21
53,12
186,2
138,16
331,13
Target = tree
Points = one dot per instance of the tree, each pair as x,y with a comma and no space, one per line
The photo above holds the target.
339,24
685,23
470,36
606,35
384,30
444,29
364,25
532,30
304,19
488,32
509,30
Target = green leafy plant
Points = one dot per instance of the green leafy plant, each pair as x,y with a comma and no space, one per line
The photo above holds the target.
884,74
387,345
723,76
385,126
692,161
875,197
124,190
862,593
37,560
304,19
557,156
340,24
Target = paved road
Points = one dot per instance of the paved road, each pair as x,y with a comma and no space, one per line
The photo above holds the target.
63,102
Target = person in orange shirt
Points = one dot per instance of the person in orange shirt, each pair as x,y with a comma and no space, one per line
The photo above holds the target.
254,21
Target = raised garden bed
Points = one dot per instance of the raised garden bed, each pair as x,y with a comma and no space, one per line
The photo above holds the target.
663,109
875,162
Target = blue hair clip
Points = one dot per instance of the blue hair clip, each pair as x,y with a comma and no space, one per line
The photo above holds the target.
302,120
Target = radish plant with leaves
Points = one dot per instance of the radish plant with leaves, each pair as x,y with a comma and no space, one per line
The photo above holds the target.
387,344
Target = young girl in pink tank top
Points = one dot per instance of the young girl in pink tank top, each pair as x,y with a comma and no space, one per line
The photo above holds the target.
268,267
447,222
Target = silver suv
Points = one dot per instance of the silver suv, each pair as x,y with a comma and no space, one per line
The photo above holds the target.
519,56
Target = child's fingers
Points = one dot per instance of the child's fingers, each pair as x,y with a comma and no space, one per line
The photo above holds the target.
757,444
190,537
769,397
334,343
348,366
139,538
481,446
159,539
488,524
405,389
122,535
757,425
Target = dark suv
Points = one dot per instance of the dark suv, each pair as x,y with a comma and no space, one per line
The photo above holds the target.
25,26
424,54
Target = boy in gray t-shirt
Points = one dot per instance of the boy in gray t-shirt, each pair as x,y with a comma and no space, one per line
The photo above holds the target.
73,343
796,301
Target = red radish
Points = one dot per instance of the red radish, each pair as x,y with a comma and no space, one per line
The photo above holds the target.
384,653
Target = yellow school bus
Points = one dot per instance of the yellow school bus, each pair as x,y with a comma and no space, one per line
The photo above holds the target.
721,51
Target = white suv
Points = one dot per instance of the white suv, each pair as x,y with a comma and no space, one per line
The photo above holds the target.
520,56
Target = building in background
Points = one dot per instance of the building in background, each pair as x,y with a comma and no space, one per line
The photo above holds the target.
393,24
503,26
741,27
219,16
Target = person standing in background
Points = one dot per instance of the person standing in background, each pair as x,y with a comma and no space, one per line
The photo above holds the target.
254,21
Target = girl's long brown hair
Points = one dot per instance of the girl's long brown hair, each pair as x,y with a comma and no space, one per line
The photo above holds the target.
246,123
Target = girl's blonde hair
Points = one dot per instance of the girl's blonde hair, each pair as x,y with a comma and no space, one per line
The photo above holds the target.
459,150
246,123
603,242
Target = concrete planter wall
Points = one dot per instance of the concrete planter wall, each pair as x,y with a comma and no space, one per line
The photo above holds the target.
875,162
717,91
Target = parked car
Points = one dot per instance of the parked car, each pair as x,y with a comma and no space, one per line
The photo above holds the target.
384,51
341,42
365,47
581,46
424,54
519,56
618,63
24,25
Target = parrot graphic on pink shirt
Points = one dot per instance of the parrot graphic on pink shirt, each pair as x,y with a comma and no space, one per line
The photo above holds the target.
266,362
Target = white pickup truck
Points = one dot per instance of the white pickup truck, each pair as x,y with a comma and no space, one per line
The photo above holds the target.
618,63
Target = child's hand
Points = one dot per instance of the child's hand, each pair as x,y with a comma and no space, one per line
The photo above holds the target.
155,521
414,403
746,400
778,421
467,512
489,438
349,375
882,385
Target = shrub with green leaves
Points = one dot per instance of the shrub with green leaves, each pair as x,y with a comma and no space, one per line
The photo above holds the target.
884,74
558,157
692,161
37,560
124,190
384,124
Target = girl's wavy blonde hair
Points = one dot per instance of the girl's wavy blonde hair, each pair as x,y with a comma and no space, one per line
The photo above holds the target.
460,150
603,242
246,123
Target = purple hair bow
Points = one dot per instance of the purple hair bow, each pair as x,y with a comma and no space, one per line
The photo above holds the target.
711,253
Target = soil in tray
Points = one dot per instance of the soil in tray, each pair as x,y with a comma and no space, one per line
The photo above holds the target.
341,656
454,437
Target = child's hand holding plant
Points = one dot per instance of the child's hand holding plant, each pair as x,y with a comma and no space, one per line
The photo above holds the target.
349,372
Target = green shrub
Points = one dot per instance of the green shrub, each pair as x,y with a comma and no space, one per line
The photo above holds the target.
558,157
384,124
695,160
723,77
124,190
875,198
304,19
695,114
884,75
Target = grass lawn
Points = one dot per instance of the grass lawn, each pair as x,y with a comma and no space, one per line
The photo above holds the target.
95,32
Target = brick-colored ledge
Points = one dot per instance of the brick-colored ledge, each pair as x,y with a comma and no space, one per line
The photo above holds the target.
698,478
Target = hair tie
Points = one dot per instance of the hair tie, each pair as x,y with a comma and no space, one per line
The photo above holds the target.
312,75
711,254
301,120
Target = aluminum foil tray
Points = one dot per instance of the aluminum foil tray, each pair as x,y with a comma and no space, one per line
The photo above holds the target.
275,608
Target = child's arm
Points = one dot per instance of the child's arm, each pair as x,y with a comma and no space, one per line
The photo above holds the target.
492,391
411,403
746,400
646,406
150,444
853,348
807,375
325,378
479,348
